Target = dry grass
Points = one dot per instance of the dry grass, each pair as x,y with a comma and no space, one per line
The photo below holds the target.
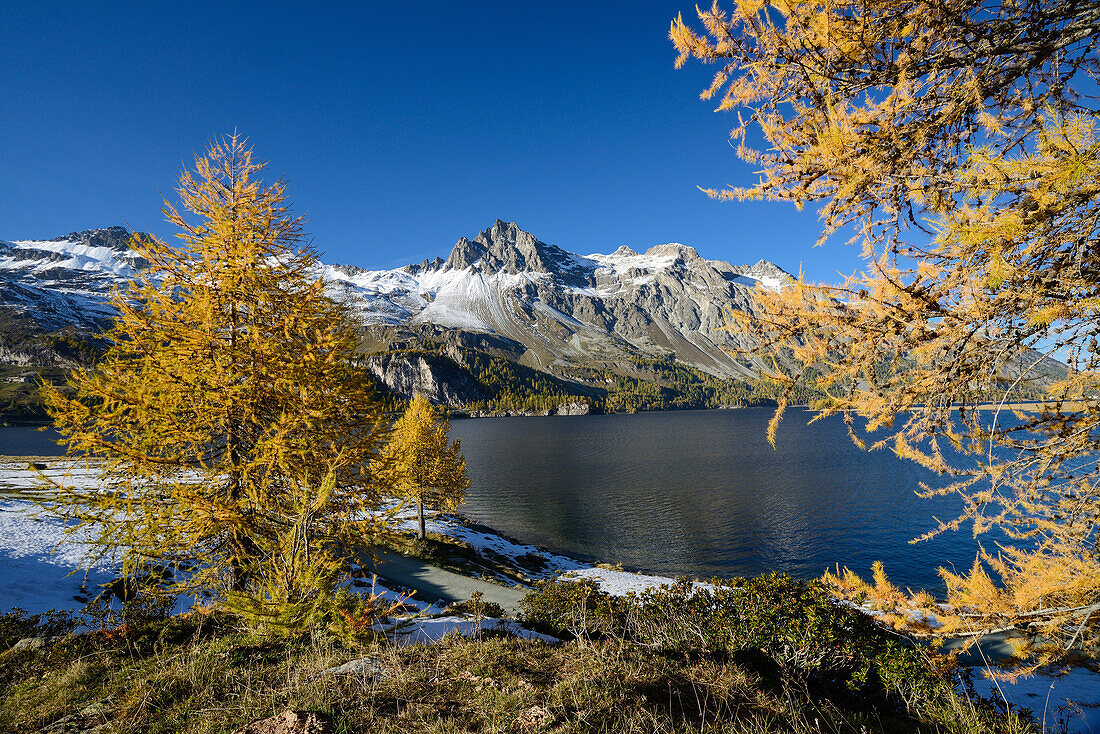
201,675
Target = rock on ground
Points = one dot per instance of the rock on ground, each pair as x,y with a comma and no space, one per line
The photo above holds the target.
89,720
364,667
290,722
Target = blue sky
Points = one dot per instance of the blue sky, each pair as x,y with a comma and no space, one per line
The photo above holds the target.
398,128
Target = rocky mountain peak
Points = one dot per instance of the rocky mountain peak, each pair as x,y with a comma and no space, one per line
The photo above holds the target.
350,270
504,247
768,268
464,254
425,265
116,238
624,251
683,252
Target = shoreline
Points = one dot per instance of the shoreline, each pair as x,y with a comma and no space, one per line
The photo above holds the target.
499,552
47,578
460,414
463,414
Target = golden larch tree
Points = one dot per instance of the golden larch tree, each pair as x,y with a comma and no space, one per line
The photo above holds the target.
418,465
228,418
959,142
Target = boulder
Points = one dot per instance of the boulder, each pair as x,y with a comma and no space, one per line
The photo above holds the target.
92,719
290,722
573,409
363,667
32,643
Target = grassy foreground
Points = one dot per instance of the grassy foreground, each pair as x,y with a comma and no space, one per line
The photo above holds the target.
201,673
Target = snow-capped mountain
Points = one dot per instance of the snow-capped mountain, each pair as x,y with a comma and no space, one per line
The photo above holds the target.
553,306
64,282
563,307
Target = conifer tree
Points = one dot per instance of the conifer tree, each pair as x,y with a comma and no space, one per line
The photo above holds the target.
418,465
228,417
960,142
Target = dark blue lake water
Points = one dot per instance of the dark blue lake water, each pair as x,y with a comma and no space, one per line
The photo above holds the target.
28,441
702,493
699,493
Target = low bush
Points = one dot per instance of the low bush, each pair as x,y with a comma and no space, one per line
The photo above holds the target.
137,609
202,672
477,607
17,624
772,621
577,608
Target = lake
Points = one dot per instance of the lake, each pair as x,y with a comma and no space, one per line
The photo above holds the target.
699,493
702,493
28,441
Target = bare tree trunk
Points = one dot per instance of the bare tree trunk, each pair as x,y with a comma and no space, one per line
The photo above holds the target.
423,532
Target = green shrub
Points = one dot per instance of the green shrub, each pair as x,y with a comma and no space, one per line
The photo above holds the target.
477,607
576,608
771,620
138,608
16,625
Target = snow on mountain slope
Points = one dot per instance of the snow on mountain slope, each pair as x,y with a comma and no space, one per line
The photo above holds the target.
561,306
566,307
95,253
51,284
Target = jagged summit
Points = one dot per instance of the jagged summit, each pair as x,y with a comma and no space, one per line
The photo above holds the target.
768,273
566,308
682,252
504,247
115,238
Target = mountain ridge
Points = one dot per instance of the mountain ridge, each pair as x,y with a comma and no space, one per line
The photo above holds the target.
562,307
624,319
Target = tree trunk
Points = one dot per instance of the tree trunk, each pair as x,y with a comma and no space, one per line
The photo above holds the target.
423,532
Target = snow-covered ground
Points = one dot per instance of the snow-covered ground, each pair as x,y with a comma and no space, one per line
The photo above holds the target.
36,578
1072,696
36,573
39,572
50,256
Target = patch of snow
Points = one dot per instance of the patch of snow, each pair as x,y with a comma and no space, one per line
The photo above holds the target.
768,281
771,282
27,533
79,257
621,583
588,291
578,263
38,573
618,583
621,262
463,298
558,315
445,314
1071,695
